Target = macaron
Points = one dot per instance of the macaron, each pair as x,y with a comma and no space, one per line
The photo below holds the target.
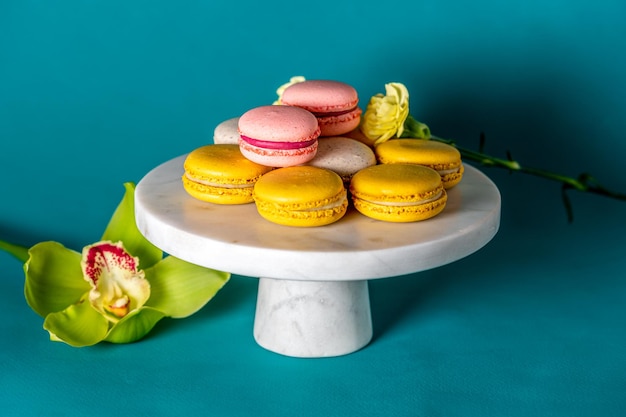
226,132
278,136
334,103
301,196
398,192
342,155
443,158
220,174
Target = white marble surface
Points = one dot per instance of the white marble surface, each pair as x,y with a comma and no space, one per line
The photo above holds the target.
238,240
312,318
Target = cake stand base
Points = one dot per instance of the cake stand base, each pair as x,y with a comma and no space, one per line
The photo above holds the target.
312,319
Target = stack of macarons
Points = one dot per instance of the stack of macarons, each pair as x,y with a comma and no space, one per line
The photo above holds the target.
443,158
301,163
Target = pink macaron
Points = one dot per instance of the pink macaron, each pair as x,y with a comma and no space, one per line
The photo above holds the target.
333,103
278,136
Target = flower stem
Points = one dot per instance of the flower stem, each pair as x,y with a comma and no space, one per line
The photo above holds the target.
19,252
584,183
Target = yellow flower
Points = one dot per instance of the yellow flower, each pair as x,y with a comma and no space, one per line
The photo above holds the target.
282,88
385,114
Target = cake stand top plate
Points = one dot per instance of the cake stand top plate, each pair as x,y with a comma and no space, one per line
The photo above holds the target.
236,239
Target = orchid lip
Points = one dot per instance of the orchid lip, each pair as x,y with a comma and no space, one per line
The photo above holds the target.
96,260
118,286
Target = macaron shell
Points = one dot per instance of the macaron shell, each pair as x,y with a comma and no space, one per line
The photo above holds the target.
227,132
342,155
401,214
278,158
396,183
314,218
357,134
321,96
301,196
279,124
327,100
436,155
218,195
221,174
452,179
398,192
340,124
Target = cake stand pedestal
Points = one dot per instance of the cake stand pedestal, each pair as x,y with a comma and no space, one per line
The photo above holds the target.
313,296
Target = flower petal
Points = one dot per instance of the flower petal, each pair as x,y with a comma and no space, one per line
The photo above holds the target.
122,227
179,288
78,325
385,115
54,279
134,326
118,286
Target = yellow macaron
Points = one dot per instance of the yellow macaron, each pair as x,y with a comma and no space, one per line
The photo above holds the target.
398,192
221,174
302,196
443,158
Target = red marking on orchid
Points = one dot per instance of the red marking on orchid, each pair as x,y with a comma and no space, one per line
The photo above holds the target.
97,260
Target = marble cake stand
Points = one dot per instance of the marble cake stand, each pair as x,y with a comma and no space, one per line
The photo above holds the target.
313,298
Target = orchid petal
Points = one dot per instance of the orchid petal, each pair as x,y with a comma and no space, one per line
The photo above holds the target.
78,325
54,279
134,326
122,227
179,288
117,285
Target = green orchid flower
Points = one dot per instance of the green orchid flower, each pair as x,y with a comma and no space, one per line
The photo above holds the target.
107,294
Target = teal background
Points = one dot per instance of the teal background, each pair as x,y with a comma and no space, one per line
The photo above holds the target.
97,93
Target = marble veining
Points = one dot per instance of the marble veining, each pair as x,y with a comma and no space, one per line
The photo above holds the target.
312,318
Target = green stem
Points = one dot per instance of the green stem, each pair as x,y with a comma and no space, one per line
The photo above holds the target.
584,183
19,252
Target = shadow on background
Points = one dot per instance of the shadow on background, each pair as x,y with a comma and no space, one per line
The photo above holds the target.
25,236
454,286
238,294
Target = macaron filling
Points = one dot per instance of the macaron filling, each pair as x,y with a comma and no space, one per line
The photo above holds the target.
278,145
327,212
443,172
218,184
405,203
336,202
333,113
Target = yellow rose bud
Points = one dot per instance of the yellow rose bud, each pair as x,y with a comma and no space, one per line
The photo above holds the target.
385,114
